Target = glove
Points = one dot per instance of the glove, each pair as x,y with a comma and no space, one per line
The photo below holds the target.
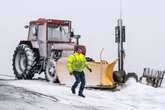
90,70
71,73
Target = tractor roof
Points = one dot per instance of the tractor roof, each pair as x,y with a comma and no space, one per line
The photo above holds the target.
54,21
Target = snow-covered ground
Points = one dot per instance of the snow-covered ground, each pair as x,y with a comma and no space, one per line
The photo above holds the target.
41,95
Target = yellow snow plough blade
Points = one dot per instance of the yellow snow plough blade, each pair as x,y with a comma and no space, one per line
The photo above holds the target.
107,78
101,75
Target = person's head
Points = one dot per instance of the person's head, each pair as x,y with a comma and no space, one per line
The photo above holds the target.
79,50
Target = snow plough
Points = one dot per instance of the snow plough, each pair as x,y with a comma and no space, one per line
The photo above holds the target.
49,43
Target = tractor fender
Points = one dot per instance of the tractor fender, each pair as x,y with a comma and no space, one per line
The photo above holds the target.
32,44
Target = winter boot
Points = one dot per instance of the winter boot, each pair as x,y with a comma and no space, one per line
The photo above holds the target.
81,95
73,90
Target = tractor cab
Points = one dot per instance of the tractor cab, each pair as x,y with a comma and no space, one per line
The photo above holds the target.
51,34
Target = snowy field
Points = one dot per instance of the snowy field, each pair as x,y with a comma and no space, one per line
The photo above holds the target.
41,95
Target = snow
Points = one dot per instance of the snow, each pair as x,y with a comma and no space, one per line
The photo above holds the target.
132,96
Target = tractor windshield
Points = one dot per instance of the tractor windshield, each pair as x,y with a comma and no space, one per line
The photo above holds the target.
58,32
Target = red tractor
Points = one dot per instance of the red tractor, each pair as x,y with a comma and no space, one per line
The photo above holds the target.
47,39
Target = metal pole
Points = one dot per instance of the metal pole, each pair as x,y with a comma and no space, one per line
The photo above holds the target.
119,39
120,9
120,43
120,46
118,56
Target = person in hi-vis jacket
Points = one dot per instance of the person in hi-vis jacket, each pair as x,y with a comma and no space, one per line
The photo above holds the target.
76,63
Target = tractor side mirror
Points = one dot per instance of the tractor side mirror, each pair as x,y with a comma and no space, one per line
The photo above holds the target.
26,26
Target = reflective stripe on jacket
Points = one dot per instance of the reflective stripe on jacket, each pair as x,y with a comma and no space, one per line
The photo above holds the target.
76,62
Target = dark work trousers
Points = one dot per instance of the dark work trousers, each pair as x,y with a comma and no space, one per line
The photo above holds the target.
80,77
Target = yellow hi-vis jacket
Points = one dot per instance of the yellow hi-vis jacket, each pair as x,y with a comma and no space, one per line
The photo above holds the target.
76,62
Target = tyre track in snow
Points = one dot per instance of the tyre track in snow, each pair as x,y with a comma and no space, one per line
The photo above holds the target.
13,89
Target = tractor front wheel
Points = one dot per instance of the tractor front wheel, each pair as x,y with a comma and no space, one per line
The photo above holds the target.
50,71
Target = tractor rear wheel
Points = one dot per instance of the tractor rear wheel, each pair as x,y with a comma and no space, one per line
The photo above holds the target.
23,61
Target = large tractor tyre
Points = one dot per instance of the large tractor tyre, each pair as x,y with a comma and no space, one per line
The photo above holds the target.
50,71
23,61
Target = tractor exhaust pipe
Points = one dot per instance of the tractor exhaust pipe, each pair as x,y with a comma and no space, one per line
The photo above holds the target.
77,37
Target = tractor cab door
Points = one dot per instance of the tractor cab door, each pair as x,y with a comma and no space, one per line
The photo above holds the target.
42,40
32,32
37,36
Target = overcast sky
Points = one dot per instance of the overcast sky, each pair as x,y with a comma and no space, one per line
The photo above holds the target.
95,21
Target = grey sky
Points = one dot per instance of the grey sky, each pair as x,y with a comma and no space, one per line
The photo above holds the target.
95,21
